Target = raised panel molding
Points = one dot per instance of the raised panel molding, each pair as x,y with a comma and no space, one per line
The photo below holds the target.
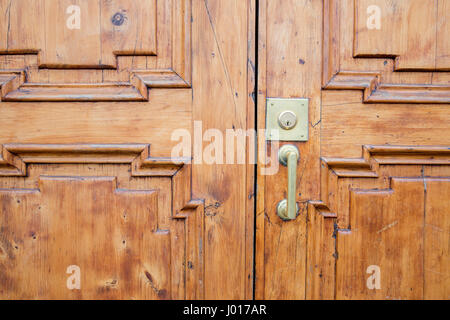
374,156
16,158
348,211
339,49
174,70
334,170
137,90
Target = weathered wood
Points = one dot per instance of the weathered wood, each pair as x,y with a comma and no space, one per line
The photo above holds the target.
386,91
289,66
87,176
62,214
115,50
359,58
220,74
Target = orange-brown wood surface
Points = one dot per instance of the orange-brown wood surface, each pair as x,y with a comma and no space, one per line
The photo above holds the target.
373,179
92,91
86,120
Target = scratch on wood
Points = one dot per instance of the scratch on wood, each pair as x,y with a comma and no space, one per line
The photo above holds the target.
387,227
267,217
162,293
8,12
316,124
227,74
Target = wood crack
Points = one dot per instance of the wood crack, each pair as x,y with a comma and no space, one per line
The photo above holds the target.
224,65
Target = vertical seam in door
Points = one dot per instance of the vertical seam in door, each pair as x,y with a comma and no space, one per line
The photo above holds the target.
255,174
424,228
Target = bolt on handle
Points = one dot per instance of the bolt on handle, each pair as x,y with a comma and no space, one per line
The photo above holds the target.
289,156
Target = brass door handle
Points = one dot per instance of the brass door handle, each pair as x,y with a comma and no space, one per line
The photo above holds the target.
289,156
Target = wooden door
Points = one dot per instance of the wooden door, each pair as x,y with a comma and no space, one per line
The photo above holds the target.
374,177
92,203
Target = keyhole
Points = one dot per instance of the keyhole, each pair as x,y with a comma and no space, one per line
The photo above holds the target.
287,120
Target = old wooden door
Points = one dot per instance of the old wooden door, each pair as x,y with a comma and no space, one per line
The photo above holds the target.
373,180
95,96
92,203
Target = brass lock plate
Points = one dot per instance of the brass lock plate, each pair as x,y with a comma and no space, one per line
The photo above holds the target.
287,119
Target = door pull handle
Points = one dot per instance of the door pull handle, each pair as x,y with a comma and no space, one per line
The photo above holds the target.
289,156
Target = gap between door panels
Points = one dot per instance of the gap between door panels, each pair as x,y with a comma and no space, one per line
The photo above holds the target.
255,174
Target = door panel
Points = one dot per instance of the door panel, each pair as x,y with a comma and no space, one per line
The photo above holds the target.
372,186
398,75
289,34
106,209
392,216
120,57
91,95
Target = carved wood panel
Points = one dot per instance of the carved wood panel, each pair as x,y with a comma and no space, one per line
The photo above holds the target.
93,50
387,210
412,46
79,97
83,34
125,219
403,58
372,210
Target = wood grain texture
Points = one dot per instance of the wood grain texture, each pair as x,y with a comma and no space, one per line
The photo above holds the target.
436,239
371,166
98,217
61,46
443,28
289,67
222,82
147,46
375,207
380,220
401,36
102,122
71,133
321,251
127,28
99,36
347,123
357,58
